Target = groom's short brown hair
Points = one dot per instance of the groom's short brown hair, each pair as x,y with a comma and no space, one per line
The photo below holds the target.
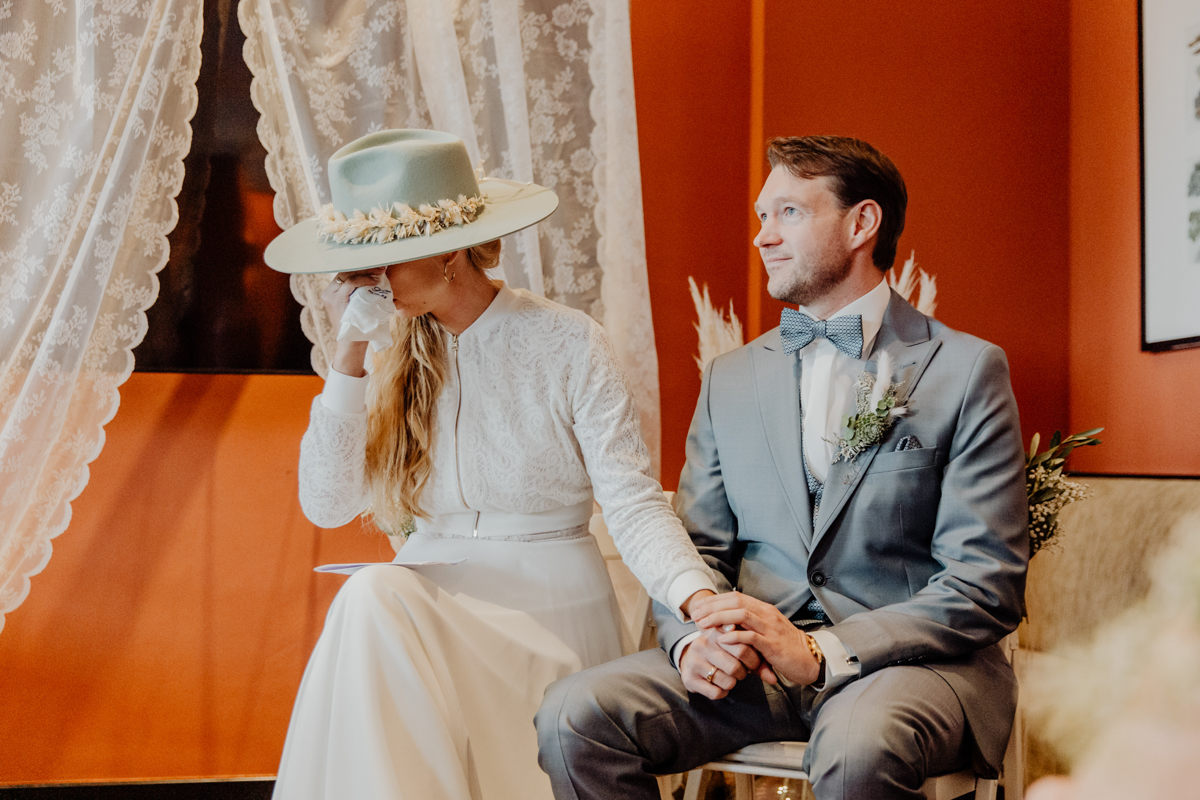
858,172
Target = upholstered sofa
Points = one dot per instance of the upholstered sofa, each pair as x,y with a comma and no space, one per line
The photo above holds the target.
1098,569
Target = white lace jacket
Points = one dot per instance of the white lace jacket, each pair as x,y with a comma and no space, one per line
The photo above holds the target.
546,421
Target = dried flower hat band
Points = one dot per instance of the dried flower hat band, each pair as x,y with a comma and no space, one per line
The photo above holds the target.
398,222
424,199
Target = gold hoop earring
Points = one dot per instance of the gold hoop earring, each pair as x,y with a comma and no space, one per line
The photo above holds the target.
449,278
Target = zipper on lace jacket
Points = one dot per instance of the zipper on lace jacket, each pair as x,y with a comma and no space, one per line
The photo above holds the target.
457,413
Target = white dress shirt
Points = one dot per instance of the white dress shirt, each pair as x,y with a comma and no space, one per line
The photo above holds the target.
827,378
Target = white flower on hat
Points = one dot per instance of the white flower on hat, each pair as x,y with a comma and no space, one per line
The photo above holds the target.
398,222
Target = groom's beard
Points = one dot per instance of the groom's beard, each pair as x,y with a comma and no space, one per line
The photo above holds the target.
811,278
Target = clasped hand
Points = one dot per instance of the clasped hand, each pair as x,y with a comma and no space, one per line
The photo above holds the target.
742,635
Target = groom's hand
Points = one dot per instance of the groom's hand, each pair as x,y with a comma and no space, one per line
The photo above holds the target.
760,626
704,657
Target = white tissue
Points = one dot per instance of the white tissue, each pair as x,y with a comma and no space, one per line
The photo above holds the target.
369,315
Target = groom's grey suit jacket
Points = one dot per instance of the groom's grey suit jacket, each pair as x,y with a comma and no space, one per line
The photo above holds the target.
917,556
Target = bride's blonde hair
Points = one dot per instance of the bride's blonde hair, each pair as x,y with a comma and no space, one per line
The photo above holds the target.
408,377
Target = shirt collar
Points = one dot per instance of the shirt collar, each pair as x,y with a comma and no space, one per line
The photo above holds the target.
504,302
871,307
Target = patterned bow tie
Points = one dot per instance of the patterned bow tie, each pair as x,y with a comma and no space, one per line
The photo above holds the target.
798,330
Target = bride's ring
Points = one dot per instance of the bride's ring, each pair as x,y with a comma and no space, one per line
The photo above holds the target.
710,674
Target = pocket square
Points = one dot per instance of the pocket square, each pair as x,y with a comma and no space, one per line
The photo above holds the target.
908,443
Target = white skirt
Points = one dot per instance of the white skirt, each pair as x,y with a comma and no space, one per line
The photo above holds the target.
424,682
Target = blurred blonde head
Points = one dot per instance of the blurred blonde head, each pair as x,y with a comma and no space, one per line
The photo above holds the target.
1124,708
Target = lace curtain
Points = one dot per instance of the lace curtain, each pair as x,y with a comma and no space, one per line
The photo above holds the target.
539,90
95,100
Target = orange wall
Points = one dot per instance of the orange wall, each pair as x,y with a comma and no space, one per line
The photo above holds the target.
1144,400
970,101
692,85
168,633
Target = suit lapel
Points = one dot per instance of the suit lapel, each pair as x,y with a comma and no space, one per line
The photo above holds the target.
777,392
905,334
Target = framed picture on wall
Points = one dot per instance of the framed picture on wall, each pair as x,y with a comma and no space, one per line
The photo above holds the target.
1169,51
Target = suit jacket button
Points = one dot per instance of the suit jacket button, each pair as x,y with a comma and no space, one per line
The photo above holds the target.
818,579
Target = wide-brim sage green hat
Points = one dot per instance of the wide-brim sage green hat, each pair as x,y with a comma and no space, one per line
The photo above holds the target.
401,195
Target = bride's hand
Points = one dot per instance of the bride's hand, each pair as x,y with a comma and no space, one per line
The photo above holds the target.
348,357
337,294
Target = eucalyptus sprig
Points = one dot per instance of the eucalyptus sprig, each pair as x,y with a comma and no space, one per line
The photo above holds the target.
877,405
1047,487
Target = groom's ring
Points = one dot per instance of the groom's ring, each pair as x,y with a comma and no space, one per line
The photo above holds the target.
710,674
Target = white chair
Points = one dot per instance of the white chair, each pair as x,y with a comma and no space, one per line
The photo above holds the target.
635,606
783,760
632,597
1012,774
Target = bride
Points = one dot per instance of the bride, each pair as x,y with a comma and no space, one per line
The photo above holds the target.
485,429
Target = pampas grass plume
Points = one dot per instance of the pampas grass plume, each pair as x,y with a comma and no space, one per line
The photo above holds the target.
912,278
717,334
928,298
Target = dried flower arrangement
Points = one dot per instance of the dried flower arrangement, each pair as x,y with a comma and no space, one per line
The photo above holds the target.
907,281
397,222
1047,486
717,334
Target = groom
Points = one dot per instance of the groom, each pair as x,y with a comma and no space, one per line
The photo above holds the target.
868,569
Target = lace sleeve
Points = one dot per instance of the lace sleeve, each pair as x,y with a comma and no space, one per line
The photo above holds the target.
651,539
333,488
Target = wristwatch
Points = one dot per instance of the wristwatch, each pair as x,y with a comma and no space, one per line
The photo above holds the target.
815,649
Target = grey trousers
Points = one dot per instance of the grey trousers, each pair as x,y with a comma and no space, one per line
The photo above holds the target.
605,732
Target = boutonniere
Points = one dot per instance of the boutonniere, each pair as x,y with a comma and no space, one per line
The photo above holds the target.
876,407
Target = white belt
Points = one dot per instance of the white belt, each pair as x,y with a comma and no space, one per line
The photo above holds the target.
490,524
